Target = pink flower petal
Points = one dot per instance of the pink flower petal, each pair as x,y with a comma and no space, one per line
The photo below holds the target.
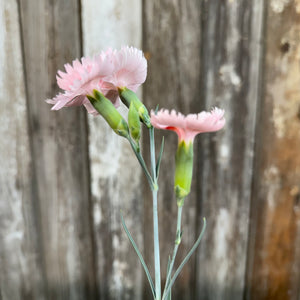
59,101
90,108
130,68
105,72
187,127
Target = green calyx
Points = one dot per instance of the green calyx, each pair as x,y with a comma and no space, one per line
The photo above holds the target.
183,171
127,96
134,123
107,110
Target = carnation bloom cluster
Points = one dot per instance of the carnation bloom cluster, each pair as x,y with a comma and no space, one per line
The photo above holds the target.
105,72
99,83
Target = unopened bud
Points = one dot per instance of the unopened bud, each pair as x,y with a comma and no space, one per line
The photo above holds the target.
134,123
127,96
107,110
183,171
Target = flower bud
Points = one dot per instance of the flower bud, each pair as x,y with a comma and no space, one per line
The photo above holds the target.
134,123
183,171
107,110
127,96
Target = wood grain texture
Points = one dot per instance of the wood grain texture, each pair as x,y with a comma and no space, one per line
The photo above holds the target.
51,37
171,41
19,245
275,235
230,78
115,173
60,229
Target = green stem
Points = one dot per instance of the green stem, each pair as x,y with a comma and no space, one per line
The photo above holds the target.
156,247
185,260
141,161
155,217
140,256
152,185
177,243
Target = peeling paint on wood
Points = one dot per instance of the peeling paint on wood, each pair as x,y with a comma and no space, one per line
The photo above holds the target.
278,6
231,64
60,233
173,82
19,247
58,143
274,244
115,173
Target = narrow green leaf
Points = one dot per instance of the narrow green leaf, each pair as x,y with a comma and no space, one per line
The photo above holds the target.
186,258
160,156
168,269
140,158
176,246
139,255
168,266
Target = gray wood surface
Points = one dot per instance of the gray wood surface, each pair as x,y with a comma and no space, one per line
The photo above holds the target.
20,261
65,177
275,232
230,77
51,37
115,173
173,83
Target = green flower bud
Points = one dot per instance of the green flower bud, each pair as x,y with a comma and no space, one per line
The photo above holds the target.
127,96
183,171
134,123
107,110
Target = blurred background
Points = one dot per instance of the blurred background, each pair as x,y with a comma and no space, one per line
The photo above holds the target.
64,176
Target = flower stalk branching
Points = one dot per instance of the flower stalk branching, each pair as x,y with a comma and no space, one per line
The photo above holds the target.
99,83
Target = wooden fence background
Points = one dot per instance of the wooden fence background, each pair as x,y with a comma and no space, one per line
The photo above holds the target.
64,176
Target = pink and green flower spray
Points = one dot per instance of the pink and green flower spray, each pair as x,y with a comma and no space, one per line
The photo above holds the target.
99,84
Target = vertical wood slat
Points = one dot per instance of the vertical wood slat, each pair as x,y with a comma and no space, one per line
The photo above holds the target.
20,263
36,198
275,235
115,173
171,40
230,77
51,36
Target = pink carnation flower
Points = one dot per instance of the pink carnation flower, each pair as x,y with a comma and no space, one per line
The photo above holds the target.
187,127
130,69
105,72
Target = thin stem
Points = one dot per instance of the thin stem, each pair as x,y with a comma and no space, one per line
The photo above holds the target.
155,217
152,152
177,243
156,247
140,256
153,185
168,267
142,162
185,259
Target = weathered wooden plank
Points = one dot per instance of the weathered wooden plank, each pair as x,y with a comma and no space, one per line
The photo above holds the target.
20,263
230,77
115,174
171,40
274,272
51,37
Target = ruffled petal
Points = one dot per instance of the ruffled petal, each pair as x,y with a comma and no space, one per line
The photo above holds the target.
187,127
206,121
130,68
104,72
59,101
